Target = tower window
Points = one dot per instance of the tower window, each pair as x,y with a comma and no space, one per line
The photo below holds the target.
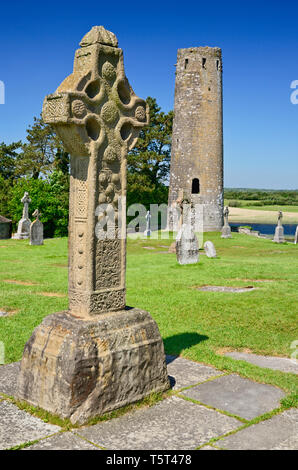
185,64
217,64
204,62
195,188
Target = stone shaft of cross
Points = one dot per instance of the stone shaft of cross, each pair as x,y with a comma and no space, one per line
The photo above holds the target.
226,215
26,201
98,117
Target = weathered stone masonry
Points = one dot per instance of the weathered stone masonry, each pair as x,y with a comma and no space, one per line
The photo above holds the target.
197,142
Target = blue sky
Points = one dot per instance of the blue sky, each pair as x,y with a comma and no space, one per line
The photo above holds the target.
259,41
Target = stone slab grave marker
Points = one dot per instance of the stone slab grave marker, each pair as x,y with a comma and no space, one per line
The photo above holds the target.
226,230
24,223
279,236
99,355
36,230
5,228
210,249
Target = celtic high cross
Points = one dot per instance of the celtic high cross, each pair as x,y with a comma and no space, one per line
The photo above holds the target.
98,117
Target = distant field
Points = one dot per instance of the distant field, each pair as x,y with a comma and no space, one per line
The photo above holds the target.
262,215
249,205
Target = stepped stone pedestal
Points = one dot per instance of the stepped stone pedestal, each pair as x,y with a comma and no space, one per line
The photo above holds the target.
187,246
79,369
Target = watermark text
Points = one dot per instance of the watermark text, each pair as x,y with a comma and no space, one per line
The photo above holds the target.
294,94
2,92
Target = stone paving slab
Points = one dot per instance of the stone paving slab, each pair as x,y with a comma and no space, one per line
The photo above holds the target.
63,441
238,396
173,424
278,433
184,373
18,427
8,378
278,363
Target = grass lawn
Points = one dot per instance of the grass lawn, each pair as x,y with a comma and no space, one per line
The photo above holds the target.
197,325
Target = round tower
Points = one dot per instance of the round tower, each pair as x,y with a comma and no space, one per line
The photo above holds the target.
197,140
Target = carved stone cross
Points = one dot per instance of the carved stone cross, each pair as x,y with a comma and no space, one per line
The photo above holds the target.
78,364
280,217
24,222
226,230
98,117
26,201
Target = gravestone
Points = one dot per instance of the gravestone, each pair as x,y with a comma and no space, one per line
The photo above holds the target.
279,236
5,228
296,236
180,212
226,230
187,246
210,249
24,223
36,230
147,232
99,355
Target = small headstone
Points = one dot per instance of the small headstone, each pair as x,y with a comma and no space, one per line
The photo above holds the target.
147,232
36,230
187,246
210,249
296,236
25,222
5,228
279,236
226,230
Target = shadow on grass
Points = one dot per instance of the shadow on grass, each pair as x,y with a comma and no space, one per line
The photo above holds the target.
177,343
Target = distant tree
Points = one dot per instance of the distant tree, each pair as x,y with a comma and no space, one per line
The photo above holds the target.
9,155
61,161
42,152
49,195
148,163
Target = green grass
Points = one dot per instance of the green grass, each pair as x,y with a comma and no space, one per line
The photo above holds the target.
248,204
272,208
197,325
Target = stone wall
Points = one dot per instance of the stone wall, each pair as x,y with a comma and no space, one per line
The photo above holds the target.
197,142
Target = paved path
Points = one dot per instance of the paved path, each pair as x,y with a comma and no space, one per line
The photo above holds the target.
277,363
207,405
